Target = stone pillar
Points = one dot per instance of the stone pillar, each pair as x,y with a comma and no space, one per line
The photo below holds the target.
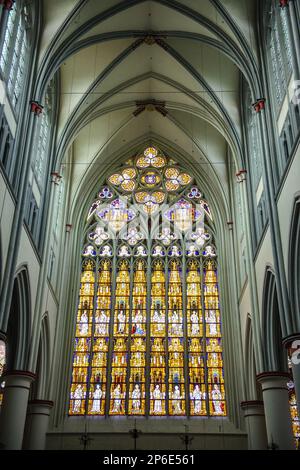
277,410
14,408
37,424
292,343
255,424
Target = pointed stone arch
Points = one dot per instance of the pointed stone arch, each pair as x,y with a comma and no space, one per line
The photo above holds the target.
18,331
294,262
275,359
41,385
253,391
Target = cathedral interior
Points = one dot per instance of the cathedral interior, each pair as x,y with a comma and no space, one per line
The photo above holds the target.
149,224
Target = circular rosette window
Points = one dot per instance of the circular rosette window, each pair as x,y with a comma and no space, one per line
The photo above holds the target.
149,158
150,201
125,179
175,179
150,179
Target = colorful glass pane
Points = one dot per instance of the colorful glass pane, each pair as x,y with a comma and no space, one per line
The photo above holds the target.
120,346
116,214
172,173
175,342
129,173
158,342
128,185
183,214
184,179
216,392
150,179
137,377
2,367
146,313
89,251
133,236
172,185
115,179
83,339
99,235
106,193
2,356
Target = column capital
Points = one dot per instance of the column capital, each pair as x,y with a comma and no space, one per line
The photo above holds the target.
287,342
3,336
254,403
36,108
48,403
19,373
241,175
7,4
40,407
230,225
55,177
283,3
69,228
259,104
273,380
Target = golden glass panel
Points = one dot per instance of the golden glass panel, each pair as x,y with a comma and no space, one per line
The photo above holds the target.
115,179
158,162
117,397
184,179
96,403
128,185
150,179
171,173
198,399
176,399
81,359
157,399
79,374
171,185
143,162
150,207
98,374
129,173
77,399
140,196
158,196
136,403
150,152
217,406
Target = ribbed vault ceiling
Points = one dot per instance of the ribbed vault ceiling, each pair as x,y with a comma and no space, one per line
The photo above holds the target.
111,54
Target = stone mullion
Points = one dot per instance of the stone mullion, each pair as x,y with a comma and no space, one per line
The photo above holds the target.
185,334
204,338
148,329
167,281
131,284
111,326
89,370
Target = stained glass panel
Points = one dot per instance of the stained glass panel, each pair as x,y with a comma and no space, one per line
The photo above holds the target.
216,392
82,342
150,301
137,377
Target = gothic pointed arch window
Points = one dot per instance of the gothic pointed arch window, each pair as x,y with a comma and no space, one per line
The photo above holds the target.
2,366
148,338
15,48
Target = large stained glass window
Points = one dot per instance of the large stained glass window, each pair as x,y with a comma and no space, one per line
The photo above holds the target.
148,336
2,366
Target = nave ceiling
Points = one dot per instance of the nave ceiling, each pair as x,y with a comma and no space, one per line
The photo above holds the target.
134,72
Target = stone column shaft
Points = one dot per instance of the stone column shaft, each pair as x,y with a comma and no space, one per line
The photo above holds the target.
14,408
277,410
255,424
37,424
